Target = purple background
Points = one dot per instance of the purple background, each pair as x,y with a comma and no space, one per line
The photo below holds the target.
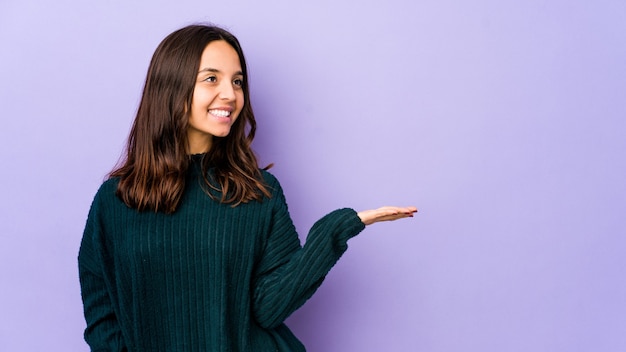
503,121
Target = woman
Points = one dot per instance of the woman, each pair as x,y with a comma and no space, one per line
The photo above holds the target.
189,245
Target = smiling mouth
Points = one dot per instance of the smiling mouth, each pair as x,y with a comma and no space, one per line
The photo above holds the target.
219,113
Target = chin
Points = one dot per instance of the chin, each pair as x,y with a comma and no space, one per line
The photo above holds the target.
222,134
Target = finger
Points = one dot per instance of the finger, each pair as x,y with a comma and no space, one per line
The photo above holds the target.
397,210
394,216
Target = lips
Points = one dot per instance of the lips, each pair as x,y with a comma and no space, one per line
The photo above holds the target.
219,112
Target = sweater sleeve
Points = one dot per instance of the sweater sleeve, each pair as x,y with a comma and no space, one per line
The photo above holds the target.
103,332
289,274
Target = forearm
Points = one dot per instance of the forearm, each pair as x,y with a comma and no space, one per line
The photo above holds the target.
282,291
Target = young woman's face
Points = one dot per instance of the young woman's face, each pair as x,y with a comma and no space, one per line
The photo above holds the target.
217,97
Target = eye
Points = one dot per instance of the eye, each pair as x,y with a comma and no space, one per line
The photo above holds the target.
211,79
238,82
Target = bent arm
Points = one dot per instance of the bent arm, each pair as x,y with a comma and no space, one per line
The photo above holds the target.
290,274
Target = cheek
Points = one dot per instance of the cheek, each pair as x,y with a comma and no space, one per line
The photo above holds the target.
201,96
194,101
199,102
240,100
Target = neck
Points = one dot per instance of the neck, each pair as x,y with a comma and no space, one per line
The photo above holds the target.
199,144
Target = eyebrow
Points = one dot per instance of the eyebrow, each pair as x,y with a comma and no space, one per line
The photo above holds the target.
214,70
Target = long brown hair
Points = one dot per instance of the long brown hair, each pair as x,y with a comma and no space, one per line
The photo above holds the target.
153,173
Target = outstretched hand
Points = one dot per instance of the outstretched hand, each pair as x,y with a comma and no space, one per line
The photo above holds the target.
369,217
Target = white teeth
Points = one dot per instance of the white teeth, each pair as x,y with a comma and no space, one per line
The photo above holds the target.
220,113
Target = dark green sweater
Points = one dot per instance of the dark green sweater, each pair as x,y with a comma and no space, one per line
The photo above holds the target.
210,277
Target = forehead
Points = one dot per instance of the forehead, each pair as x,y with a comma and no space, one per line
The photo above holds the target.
220,55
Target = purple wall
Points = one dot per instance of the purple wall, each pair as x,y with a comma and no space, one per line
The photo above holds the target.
503,121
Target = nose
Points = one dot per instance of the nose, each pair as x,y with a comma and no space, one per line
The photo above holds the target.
227,92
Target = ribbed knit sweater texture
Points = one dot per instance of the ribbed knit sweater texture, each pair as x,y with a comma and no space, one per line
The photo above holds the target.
209,277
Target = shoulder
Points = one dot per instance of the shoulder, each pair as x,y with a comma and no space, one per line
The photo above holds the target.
273,185
269,178
98,211
108,188
106,194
